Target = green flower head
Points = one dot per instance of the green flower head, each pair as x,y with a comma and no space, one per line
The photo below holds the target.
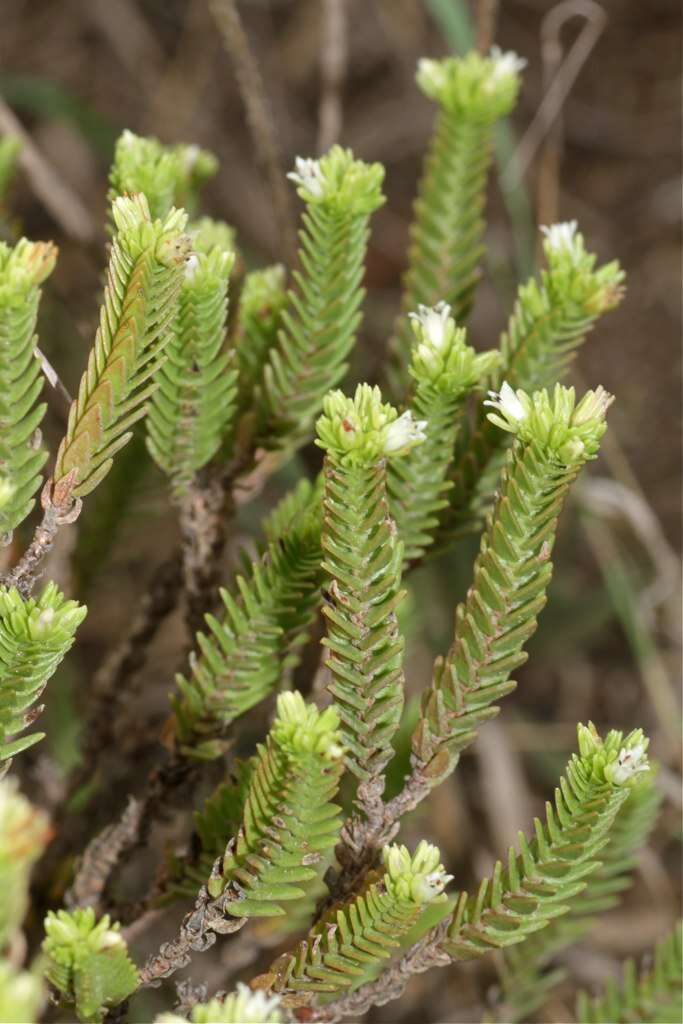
167,175
569,432
50,617
22,268
441,355
474,86
67,931
365,430
301,729
618,760
420,878
208,271
339,182
263,294
87,961
572,272
137,231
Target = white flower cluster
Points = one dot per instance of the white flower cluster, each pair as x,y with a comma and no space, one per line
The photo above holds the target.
404,433
631,761
243,1006
433,72
563,238
507,402
191,266
309,176
505,64
434,324
254,1007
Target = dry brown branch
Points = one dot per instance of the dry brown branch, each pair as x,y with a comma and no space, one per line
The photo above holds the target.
486,18
55,514
259,117
100,858
554,98
203,515
197,933
333,60
112,684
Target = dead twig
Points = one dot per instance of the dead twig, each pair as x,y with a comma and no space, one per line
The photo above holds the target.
55,514
100,858
333,60
259,117
111,686
198,932
486,18
202,519
563,81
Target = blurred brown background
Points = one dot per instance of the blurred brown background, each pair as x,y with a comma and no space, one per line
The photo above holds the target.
77,73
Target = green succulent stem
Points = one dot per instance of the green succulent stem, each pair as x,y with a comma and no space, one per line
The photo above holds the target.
289,821
544,875
362,562
525,983
551,319
259,320
22,270
144,279
444,370
653,995
555,437
350,939
448,225
192,410
322,312
35,634
245,653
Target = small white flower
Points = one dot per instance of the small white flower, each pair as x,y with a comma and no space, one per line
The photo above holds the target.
428,887
593,405
434,323
45,620
308,175
561,237
507,402
631,761
255,1007
109,939
191,155
191,265
505,64
432,73
404,433
127,138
